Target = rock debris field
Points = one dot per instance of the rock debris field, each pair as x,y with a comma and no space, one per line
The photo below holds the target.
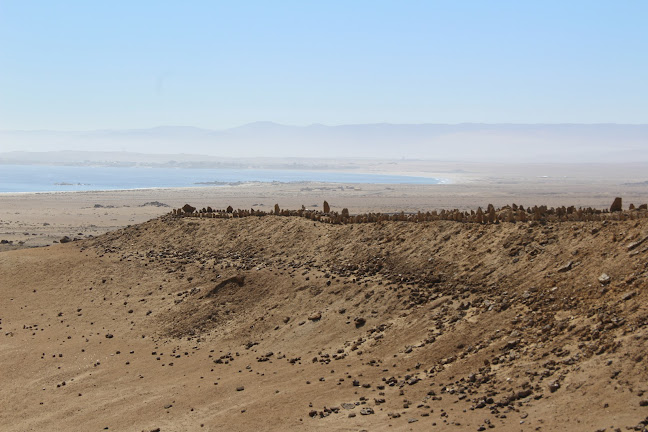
287,323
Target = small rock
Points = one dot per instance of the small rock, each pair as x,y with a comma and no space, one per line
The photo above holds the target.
188,209
604,279
627,296
566,267
553,386
637,243
617,205
524,393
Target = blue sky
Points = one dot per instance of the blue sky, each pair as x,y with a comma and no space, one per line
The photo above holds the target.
74,65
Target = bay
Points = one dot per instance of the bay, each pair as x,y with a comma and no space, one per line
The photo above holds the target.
46,178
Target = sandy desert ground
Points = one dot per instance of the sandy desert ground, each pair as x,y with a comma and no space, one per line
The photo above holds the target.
282,323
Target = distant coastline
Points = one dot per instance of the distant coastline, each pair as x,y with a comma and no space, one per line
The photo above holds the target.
57,178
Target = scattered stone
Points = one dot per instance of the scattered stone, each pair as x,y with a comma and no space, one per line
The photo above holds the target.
553,386
566,267
637,243
188,209
627,296
616,205
604,279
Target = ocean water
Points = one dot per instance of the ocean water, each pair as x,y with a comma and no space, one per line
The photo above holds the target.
44,178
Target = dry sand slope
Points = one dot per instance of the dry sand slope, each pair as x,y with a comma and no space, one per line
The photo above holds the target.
280,323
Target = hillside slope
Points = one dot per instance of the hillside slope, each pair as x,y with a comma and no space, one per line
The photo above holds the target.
281,323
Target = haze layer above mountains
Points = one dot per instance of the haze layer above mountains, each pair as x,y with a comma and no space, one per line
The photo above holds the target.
572,143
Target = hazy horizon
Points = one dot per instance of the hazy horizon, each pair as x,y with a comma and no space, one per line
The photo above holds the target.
316,123
470,81
468,142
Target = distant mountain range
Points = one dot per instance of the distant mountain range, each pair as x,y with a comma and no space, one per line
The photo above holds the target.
444,142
